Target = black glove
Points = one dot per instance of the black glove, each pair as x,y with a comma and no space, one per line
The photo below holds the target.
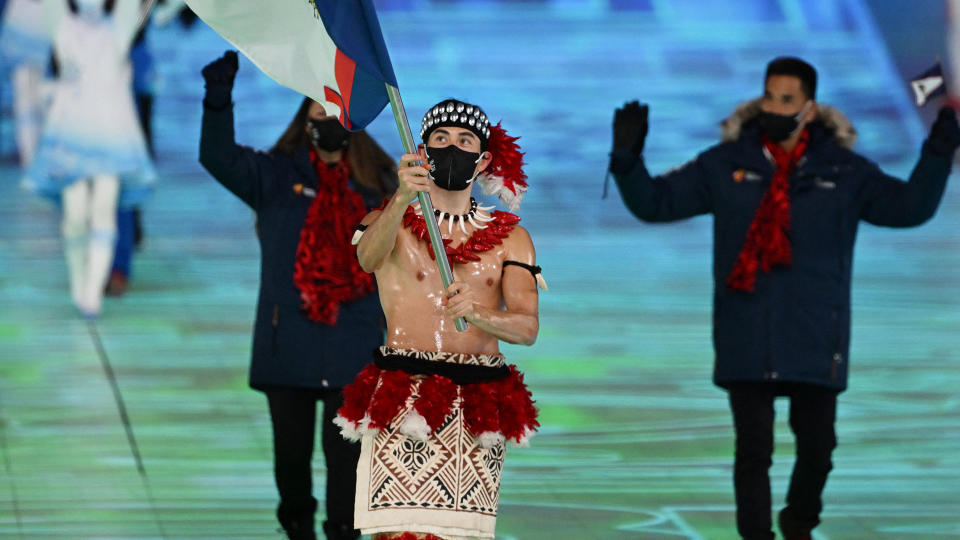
945,133
630,127
187,17
219,76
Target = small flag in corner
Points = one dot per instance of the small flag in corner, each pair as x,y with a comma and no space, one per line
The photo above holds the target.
928,84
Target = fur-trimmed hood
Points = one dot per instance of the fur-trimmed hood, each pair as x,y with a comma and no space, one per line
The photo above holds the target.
831,118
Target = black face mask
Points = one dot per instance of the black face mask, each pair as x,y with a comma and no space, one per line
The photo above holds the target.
780,127
452,168
328,135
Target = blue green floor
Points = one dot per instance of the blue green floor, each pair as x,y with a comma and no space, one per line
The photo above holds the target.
636,442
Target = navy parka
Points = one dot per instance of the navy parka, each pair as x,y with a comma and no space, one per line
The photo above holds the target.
795,326
288,348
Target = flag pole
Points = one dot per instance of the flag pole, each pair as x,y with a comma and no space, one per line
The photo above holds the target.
426,206
944,75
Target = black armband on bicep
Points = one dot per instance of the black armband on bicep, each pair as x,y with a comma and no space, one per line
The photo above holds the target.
529,268
358,234
535,271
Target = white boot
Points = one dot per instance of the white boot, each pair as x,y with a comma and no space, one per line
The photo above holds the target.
102,242
99,258
75,200
75,251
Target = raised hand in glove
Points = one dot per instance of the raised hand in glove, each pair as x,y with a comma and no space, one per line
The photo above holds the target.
630,127
945,133
219,76
187,17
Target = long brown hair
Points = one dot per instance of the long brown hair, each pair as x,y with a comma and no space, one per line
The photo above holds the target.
368,162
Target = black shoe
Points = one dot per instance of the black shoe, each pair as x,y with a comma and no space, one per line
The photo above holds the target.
297,519
296,530
340,531
790,528
117,284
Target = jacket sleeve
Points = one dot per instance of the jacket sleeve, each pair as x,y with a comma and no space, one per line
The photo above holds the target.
677,194
891,202
240,169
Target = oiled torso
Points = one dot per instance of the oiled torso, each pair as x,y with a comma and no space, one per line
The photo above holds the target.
412,293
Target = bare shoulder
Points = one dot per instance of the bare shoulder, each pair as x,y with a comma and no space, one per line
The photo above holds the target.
519,246
371,217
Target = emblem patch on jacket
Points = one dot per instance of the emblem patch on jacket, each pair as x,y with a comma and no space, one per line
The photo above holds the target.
824,184
301,189
743,175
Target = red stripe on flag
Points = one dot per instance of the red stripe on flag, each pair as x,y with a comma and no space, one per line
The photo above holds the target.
333,97
344,69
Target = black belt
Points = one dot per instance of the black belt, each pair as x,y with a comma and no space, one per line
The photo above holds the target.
458,373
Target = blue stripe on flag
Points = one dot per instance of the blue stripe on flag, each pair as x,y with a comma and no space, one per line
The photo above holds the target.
935,71
355,30
367,99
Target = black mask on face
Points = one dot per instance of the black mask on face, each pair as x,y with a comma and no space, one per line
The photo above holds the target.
452,168
328,134
780,127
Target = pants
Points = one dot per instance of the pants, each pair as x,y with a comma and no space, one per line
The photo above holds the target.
293,413
813,413
126,242
127,219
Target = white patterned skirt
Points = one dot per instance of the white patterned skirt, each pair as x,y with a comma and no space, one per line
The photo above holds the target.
433,428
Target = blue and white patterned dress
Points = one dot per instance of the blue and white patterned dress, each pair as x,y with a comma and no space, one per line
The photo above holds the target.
92,127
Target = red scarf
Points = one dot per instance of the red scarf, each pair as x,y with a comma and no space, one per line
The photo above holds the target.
768,238
327,271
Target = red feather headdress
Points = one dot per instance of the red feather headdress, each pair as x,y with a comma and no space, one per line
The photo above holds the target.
504,177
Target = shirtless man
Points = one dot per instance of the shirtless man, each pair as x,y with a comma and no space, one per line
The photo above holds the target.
436,407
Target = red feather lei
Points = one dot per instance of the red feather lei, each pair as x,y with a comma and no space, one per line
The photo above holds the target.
768,238
480,240
327,271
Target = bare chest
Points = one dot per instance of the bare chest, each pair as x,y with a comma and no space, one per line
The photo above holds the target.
415,265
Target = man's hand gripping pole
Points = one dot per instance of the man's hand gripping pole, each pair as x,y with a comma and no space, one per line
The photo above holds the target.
426,206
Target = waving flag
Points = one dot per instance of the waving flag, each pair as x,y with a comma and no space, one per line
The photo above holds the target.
928,84
329,50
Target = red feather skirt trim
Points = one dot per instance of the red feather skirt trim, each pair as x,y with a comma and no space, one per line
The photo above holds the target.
493,411
406,536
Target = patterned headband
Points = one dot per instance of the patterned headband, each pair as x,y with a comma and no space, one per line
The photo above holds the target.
452,112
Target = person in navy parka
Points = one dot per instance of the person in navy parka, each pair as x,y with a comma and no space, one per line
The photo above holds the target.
318,314
787,194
